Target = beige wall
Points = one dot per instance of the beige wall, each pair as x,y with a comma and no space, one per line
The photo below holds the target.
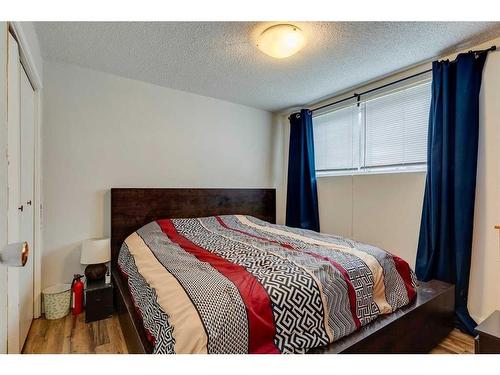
102,131
385,209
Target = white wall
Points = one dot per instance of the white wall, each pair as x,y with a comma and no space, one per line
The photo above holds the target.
102,131
381,209
281,140
484,288
385,209
3,183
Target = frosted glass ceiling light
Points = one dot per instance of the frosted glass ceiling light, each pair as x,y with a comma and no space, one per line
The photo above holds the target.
281,41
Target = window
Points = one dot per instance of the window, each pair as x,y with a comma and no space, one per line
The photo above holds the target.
386,133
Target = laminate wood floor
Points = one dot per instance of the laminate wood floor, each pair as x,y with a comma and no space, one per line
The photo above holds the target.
72,335
455,343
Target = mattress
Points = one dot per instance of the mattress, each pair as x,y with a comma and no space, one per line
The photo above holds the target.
237,284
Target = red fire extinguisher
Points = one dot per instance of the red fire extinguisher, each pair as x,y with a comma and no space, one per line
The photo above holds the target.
77,294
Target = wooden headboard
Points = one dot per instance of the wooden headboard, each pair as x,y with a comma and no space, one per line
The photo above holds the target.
131,208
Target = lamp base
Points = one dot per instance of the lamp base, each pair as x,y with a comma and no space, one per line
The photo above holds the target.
95,271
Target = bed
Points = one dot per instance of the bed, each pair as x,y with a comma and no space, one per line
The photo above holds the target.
208,271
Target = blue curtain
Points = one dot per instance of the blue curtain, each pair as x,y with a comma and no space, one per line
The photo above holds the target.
445,241
302,197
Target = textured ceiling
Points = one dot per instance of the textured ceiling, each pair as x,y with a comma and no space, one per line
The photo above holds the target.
219,59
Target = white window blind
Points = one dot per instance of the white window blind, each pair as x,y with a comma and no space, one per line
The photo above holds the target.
388,133
334,140
396,127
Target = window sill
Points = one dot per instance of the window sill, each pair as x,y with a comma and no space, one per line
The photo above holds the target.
374,171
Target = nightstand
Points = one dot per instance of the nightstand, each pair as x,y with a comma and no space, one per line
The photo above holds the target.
488,339
98,300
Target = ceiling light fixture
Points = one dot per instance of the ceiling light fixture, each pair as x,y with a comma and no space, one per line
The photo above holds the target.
281,41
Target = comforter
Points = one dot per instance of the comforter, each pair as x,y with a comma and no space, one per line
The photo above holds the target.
236,284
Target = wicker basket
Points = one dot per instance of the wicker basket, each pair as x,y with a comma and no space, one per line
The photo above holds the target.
56,301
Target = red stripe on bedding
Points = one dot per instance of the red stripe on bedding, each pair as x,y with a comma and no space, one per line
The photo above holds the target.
350,288
261,328
404,271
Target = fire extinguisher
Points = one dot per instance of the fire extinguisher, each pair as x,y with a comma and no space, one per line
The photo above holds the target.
77,294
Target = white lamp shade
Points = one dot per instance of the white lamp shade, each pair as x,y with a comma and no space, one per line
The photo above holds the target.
95,251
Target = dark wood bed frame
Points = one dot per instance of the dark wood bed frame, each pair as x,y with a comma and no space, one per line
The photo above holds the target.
416,328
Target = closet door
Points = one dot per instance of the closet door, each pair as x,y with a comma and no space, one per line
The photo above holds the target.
14,183
20,123
26,277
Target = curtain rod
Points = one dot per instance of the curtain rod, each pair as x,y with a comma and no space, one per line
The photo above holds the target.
355,95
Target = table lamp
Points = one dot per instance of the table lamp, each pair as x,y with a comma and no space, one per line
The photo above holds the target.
95,253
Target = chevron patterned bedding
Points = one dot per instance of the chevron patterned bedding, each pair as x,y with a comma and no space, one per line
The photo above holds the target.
236,284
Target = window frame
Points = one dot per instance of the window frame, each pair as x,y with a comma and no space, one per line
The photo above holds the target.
374,170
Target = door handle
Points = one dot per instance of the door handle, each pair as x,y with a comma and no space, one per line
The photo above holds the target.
20,208
28,202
